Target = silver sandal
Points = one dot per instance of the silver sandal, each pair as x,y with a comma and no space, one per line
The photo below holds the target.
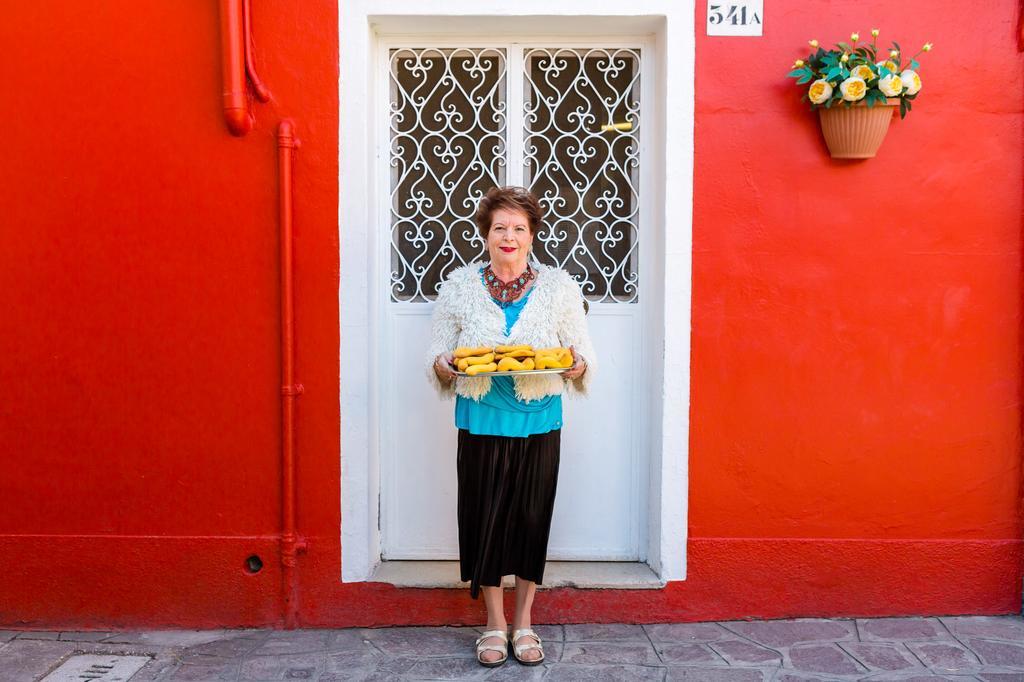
518,649
481,648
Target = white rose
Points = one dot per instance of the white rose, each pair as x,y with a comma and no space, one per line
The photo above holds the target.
820,91
911,81
891,85
853,89
862,71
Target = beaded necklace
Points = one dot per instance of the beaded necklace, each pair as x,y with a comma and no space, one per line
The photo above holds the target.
506,292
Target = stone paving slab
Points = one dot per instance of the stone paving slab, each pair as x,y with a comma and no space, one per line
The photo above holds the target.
601,653
604,632
882,656
741,652
697,674
901,629
28,659
687,632
685,653
985,648
784,633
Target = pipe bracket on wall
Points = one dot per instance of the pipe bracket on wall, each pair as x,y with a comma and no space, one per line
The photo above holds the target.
237,66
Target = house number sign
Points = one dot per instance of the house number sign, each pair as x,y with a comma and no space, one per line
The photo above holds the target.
735,17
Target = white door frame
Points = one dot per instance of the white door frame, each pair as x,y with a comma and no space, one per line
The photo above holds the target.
635,397
361,24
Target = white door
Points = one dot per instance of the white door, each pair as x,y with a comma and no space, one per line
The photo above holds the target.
564,119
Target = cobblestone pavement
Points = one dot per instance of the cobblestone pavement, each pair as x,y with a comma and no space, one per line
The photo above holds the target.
950,648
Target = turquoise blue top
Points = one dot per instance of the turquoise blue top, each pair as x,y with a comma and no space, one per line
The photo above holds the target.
499,412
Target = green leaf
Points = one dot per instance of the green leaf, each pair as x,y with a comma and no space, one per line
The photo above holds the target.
903,108
897,46
883,72
795,73
845,73
845,47
833,72
806,78
914,65
828,104
909,107
870,101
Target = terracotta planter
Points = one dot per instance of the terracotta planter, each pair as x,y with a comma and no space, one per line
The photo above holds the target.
856,132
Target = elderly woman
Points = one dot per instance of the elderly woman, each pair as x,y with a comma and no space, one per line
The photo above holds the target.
509,427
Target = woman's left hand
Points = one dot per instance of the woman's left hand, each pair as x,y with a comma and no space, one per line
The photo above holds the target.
579,365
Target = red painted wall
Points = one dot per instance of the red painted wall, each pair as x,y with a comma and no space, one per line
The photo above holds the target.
856,381
139,281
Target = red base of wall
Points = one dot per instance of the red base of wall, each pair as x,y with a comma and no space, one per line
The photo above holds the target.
167,582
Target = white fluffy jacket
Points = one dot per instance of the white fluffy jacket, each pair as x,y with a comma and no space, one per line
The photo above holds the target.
465,315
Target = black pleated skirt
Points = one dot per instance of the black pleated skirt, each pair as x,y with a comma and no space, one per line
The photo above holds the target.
506,495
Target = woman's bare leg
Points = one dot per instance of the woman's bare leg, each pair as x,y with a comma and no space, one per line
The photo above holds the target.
525,589
495,601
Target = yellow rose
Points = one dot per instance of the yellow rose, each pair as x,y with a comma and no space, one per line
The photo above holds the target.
854,37
894,53
820,91
927,47
862,71
813,43
875,32
853,89
891,85
888,63
911,81
798,64
845,58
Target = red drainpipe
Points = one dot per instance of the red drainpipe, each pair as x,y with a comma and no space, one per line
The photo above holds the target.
262,94
291,544
1020,27
1020,33
237,63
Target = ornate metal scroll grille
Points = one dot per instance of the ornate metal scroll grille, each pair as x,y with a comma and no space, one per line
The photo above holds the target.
448,147
581,157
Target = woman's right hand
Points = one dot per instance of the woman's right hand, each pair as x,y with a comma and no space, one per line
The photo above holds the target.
444,368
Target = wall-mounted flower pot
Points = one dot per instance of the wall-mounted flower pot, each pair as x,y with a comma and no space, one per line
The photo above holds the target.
856,132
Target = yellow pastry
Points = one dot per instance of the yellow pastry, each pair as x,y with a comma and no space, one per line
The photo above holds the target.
510,349
473,370
465,351
480,360
547,362
508,364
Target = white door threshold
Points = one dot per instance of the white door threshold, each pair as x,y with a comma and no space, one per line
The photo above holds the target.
607,575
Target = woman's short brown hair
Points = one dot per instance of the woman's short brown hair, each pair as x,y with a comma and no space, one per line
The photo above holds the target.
510,198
